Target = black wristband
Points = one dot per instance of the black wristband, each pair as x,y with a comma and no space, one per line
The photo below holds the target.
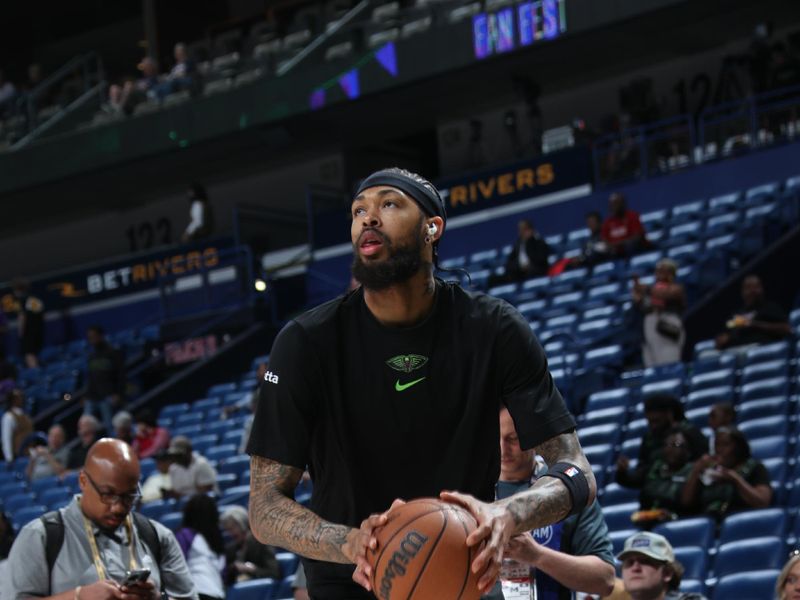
571,476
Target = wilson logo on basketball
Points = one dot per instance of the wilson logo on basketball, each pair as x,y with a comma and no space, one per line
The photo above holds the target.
396,567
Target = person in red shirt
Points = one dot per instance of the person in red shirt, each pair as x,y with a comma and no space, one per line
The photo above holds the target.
150,438
622,230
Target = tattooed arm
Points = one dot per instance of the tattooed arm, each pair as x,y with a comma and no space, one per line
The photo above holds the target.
546,502
277,520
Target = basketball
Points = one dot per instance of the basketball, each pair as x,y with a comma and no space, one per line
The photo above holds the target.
422,553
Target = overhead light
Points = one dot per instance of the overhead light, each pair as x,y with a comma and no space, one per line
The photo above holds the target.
260,285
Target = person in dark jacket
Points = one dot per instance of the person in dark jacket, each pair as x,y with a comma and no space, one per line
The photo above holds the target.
105,378
529,256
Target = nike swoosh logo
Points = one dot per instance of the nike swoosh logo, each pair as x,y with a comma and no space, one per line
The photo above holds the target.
401,387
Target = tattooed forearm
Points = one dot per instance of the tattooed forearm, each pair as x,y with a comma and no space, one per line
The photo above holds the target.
276,519
548,500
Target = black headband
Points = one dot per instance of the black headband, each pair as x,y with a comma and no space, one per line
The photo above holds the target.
421,190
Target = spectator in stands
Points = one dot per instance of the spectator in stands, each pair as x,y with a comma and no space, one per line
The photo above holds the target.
181,76
663,413
105,378
8,372
728,481
788,585
759,321
122,422
248,402
528,257
150,437
8,94
662,304
595,249
246,557
201,541
88,426
622,230
660,497
154,486
15,426
30,322
50,458
722,414
649,569
574,554
201,215
190,472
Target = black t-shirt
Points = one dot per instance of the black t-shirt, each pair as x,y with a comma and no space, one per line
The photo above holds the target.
379,413
766,312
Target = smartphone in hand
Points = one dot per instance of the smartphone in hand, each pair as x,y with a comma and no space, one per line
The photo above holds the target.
137,576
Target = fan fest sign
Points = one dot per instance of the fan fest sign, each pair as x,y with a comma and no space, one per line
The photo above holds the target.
113,279
519,181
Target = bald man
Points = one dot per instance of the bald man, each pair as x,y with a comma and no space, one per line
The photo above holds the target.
102,541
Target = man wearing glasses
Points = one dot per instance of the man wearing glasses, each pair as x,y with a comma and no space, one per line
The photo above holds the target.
102,542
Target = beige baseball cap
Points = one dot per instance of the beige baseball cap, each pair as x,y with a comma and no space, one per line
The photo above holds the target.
650,544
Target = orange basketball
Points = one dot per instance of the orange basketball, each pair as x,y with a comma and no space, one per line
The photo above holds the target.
422,553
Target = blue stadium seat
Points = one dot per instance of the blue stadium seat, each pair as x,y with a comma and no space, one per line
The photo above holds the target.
635,429
764,427
146,467
759,213
599,434
694,560
201,443
173,410
608,399
562,323
613,414
453,262
760,193
631,446
606,356
232,437
22,516
236,465
54,496
722,224
683,234
532,308
765,370
692,586
288,562
728,242
255,589
571,278
158,508
221,452
697,531
568,301
724,202
748,585
17,501
189,431
599,312
609,291
221,389
536,285
220,427
189,418
755,409
505,291
577,237
614,493
45,483
206,403
644,263
70,481
238,494
698,416
754,553
774,446
171,520
8,477
667,386
619,516
662,372
710,396
764,522
227,480
592,332
711,379
765,388
767,352
654,219
689,211
618,538
484,257
685,252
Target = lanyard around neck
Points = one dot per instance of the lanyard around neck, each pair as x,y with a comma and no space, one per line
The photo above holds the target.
98,562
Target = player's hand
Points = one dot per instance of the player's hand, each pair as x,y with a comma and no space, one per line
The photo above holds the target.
361,539
495,528
142,590
101,590
523,548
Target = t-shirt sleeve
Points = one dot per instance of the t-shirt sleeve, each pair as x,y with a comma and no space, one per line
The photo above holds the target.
27,565
591,535
205,475
635,223
527,389
177,580
284,416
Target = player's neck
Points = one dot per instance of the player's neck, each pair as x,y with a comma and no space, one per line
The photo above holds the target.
403,304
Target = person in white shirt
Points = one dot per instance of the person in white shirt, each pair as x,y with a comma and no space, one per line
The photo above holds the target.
15,425
201,540
201,223
189,472
155,485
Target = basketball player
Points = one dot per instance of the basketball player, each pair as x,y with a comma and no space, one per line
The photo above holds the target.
392,391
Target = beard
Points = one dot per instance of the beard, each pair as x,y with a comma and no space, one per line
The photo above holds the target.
403,263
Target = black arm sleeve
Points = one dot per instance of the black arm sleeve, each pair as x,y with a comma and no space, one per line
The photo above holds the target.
535,404
284,417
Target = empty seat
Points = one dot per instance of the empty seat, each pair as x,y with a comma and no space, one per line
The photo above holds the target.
221,452
754,553
685,252
766,407
644,263
173,410
767,352
157,508
189,418
688,211
749,585
774,446
764,522
221,389
758,213
759,193
722,224
667,386
532,308
711,379
609,291
728,242
654,219
202,443
661,372
503,291
599,434
692,586
608,399
288,563
206,403
619,516
26,514
764,427
235,464
55,496
765,388
694,560
618,538
635,429
614,493
17,501
255,589
697,531
568,301
724,202
765,370
453,262
610,356
709,396
599,312
682,234
611,415
171,520
631,446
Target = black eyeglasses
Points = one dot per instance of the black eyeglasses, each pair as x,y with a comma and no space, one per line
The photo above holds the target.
110,499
